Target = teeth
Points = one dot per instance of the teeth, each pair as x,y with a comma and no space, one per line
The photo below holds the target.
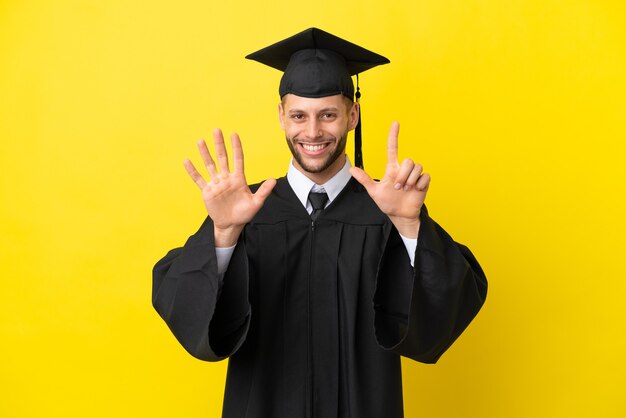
313,147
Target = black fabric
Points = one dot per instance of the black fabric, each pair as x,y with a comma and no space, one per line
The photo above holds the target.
318,202
315,315
317,64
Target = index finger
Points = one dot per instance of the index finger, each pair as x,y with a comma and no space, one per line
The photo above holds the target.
237,153
392,144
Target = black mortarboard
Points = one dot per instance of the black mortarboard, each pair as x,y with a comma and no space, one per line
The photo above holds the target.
318,64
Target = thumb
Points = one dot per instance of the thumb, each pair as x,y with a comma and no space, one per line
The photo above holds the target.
265,190
362,177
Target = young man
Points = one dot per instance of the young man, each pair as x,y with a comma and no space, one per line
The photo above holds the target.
316,283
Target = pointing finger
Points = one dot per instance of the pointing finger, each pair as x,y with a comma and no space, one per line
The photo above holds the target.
392,144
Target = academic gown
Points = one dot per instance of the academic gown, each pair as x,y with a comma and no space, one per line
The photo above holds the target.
315,315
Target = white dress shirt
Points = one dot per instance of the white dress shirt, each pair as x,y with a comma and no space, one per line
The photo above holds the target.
301,186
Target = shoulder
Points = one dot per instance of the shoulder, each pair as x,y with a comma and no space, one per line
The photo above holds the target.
281,205
281,182
355,206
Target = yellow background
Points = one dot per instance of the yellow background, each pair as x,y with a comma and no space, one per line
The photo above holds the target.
516,108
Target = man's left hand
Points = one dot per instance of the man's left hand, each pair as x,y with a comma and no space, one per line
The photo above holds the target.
401,192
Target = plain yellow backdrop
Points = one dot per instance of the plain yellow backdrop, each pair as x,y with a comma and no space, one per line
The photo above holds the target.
516,108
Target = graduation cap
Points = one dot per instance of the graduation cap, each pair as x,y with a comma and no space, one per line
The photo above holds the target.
319,64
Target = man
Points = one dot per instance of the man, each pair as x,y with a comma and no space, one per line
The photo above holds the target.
316,283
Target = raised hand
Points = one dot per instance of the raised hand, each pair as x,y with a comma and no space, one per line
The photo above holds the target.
401,192
226,194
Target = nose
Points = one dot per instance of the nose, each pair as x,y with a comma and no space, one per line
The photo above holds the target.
313,130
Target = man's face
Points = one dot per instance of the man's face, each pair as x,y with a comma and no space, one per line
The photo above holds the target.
316,131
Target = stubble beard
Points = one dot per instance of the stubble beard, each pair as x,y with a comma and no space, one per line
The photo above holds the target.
338,152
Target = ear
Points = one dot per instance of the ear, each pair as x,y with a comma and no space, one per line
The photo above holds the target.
281,115
354,115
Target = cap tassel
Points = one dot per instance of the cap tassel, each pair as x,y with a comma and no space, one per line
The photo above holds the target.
358,155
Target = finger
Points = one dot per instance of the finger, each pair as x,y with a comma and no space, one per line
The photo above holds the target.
403,173
193,173
264,190
423,183
413,177
237,153
206,157
363,178
392,144
220,151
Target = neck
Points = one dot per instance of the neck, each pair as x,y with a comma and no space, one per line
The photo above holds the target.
323,176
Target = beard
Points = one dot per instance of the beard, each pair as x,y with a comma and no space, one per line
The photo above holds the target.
340,148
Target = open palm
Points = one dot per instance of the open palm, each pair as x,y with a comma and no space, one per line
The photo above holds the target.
226,195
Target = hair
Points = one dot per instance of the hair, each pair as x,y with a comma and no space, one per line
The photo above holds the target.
347,101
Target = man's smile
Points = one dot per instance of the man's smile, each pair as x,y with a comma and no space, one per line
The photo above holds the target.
313,149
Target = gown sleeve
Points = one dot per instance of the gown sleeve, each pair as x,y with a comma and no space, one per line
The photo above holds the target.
419,312
208,316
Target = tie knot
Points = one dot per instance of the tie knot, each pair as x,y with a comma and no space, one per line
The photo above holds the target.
318,200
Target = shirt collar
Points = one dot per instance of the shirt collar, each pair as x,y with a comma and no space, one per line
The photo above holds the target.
302,185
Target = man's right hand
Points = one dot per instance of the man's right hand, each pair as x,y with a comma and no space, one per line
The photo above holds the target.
226,194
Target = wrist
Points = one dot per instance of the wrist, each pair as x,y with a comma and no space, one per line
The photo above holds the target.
226,237
408,228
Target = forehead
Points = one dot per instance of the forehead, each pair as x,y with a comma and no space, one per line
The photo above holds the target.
292,102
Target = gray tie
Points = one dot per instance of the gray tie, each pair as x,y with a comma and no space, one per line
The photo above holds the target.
318,201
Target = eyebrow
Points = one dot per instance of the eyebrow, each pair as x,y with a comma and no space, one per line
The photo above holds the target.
326,109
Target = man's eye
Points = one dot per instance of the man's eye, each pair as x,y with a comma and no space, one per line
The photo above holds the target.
297,116
328,115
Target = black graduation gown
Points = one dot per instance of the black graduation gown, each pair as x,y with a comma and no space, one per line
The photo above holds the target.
315,316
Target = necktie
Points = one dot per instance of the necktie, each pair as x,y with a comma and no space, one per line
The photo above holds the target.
318,201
